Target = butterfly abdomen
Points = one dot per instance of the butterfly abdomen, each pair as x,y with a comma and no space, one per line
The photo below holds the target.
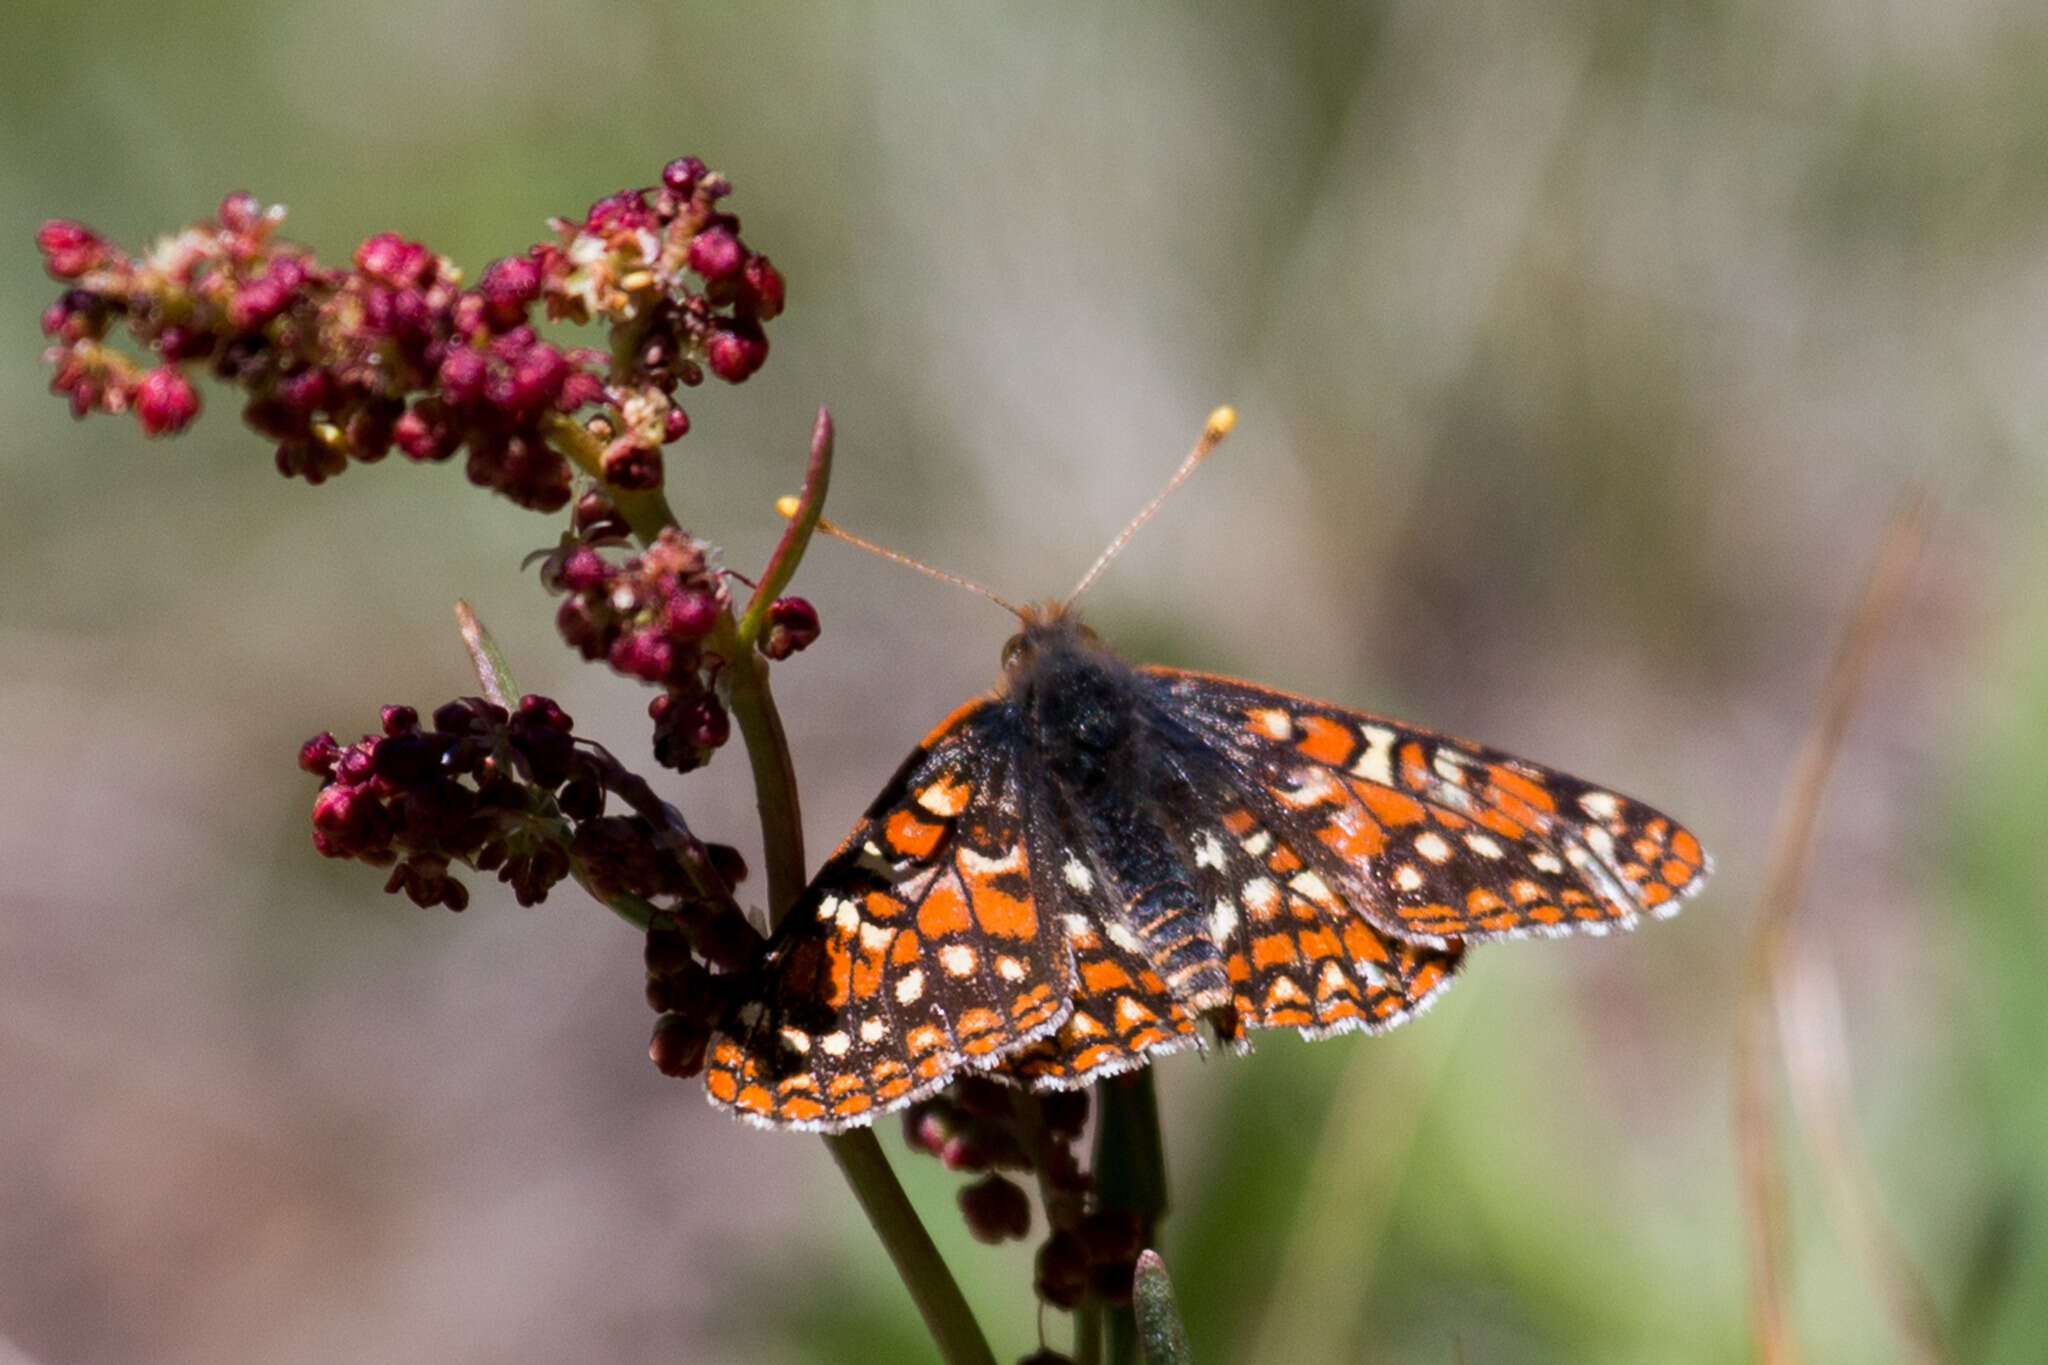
1169,919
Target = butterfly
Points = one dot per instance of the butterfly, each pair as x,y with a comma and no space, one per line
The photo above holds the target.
1082,871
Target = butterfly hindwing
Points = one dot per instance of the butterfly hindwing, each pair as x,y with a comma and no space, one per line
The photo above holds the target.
1433,838
916,952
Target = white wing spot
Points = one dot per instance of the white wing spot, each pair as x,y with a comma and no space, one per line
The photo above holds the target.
1284,988
1129,1013
1261,897
837,1042
1601,841
871,1030
1370,971
1314,786
1432,846
1257,842
1223,920
876,937
1208,851
1376,763
751,1012
1272,722
980,866
1449,765
944,797
910,987
1408,877
1484,845
1600,805
1333,978
1010,969
957,958
1123,938
1309,886
796,1038
1077,875
1546,861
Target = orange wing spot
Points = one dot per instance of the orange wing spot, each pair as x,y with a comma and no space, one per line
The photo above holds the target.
1656,893
1524,891
1450,819
845,1084
979,1020
1037,998
802,1109
1288,1016
1090,1058
1545,913
944,910
1425,980
1676,872
1507,919
1646,849
1236,968
1151,1037
851,1105
1354,836
1104,975
723,1085
1575,898
755,1099
890,1090
1239,822
1149,982
1529,793
1283,860
887,1069
1687,847
1002,915
1326,742
1389,806
1272,950
1500,824
839,966
727,1053
985,1044
905,951
1319,944
1442,914
1363,944
925,1038
867,976
1481,900
1414,767
1658,829
1635,872
911,837
881,906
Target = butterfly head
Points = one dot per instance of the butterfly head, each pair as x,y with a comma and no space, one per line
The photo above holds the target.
1048,629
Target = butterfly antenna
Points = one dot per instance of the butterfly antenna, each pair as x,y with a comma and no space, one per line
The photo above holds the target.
1218,426
788,508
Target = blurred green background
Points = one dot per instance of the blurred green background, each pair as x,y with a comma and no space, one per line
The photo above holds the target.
1580,351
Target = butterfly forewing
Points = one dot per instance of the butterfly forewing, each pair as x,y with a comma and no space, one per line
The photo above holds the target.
917,951
1433,838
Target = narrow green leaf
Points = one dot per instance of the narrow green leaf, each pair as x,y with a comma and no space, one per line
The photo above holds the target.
1161,1337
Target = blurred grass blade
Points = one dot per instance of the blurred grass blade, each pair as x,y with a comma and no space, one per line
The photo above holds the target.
1161,1337
493,674
1758,1151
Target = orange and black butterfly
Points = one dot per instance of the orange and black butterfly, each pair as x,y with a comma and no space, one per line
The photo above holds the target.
1068,877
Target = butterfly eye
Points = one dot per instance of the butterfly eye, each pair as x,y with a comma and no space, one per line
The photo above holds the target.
1014,650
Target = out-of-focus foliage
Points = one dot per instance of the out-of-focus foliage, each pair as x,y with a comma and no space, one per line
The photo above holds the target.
1579,351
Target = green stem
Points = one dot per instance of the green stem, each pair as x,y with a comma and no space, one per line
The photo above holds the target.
646,511
1130,1174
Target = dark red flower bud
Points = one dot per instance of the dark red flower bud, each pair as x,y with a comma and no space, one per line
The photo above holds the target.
677,1048
792,625
691,615
317,754
399,720
996,1209
70,249
240,211
764,287
715,253
165,401
509,288
676,425
680,176
632,466
1062,1271
391,260
736,351
728,862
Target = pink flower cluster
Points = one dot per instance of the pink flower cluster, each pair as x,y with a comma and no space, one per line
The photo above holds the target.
344,364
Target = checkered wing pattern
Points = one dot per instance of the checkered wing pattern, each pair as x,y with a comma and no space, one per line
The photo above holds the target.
1295,956
917,951
1433,839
